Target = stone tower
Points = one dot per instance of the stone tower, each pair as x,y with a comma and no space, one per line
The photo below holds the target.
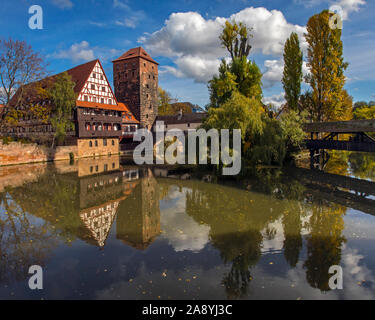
135,76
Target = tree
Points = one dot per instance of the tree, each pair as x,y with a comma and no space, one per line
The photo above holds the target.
164,102
326,63
238,112
235,38
63,99
19,65
292,75
240,75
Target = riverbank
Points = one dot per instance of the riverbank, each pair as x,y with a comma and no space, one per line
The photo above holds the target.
16,153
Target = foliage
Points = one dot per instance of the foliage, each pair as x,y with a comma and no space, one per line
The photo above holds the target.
267,147
239,75
293,134
63,99
364,112
164,103
238,112
235,38
292,75
326,63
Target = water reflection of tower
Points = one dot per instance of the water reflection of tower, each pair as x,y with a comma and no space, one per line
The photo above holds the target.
138,219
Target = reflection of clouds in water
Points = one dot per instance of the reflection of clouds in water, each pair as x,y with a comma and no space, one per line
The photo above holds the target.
181,230
277,241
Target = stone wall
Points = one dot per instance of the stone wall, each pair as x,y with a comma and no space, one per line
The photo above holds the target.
19,153
97,147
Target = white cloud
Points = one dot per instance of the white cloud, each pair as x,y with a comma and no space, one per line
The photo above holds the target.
277,100
63,4
348,6
192,41
273,73
77,52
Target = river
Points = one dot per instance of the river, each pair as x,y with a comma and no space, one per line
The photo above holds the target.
105,229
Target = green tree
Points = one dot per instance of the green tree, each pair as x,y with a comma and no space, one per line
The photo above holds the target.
63,99
235,38
292,75
326,63
238,112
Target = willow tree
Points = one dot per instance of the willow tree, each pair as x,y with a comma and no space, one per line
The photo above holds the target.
326,63
292,75
63,99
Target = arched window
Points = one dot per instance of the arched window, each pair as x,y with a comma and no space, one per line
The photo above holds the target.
90,144
96,143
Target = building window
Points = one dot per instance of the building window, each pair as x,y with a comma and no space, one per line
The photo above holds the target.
86,98
113,165
113,142
109,101
91,169
88,127
94,75
101,100
103,89
106,167
104,142
93,87
94,99
96,143
101,77
188,125
97,168
90,144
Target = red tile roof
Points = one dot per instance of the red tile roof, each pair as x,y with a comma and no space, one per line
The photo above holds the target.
136,52
128,114
96,105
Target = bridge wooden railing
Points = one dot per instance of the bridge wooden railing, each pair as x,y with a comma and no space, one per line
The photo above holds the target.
354,126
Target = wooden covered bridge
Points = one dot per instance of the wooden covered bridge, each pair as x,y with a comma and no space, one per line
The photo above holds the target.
341,135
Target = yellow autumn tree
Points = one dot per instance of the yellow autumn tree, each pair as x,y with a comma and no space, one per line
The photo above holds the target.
326,63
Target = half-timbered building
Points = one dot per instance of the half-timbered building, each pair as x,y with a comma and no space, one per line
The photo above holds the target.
98,117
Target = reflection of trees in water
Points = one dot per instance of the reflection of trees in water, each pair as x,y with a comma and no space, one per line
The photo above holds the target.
338,162
243,251
324,243
292,233
22,243
235,218
363,165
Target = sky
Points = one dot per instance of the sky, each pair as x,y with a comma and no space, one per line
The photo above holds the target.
182,36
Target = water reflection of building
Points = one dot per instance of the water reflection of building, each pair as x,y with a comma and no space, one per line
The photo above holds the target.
101,189
138,219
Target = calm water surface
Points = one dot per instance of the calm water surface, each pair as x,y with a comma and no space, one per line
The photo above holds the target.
102,229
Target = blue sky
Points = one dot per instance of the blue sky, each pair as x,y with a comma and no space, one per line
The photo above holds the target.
183,37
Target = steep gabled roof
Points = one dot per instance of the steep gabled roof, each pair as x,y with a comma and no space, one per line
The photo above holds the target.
81,73
134,53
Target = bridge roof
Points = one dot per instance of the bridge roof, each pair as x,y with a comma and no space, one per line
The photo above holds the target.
354,126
